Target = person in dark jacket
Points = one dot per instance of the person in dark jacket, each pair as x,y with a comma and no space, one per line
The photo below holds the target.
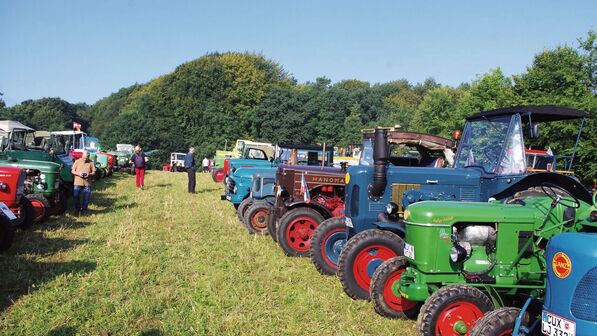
189,166
139,160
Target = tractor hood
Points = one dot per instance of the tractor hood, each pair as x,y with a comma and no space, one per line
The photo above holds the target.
248,163
43,166
448,213
241,173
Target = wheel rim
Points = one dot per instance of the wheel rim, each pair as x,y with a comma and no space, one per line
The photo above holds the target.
458,318
299,233
39,210
332,245
367,261
397,303
259,220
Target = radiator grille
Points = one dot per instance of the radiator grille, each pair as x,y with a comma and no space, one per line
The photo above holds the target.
584,305
398,190
467,194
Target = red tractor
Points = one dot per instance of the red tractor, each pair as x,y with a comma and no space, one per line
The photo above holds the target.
12,187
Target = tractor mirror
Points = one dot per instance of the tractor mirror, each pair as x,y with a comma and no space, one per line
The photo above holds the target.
534,130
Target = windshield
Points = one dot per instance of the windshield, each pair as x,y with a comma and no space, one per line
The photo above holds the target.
90,143
18,139
366,158
485,140
304,156
180,156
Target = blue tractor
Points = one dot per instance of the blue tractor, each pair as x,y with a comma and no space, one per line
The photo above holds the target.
491,157
569,307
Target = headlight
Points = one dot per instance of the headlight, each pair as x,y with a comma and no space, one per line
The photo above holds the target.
42,177
346,178
391,208
3,186
460,251
406,214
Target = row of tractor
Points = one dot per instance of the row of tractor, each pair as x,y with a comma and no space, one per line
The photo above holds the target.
35,173
487,233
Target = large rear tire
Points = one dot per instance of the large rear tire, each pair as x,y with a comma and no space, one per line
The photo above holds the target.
385,302
242,208
327,243
27,213
361,256
295,230
42,207
256,217
452,310
6,234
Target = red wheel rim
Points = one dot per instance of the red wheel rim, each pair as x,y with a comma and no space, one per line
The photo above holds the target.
39,211
458,311
506,332
367,261
259,220
397,303
323,244
299,233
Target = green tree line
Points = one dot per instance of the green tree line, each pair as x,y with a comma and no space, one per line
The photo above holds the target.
226,96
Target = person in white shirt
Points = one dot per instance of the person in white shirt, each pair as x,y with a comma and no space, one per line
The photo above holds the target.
205,164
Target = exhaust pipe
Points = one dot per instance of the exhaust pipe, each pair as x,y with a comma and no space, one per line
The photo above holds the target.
381,155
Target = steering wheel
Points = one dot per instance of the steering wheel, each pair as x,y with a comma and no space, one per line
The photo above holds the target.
551,190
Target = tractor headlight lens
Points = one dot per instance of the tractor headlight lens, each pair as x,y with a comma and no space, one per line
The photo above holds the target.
460,251
42,177
3,186
346,178
391,208
406,214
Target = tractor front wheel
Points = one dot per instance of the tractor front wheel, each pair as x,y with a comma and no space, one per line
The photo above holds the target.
385,301
327,243
42,207
242,208
295,230
256,217
361,256
6,233
499,322
27,213
453,310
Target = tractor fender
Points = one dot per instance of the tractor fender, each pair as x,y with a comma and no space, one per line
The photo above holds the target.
567,183
394,227
313,205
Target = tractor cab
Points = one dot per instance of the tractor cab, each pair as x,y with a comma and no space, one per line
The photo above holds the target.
14,136
495,141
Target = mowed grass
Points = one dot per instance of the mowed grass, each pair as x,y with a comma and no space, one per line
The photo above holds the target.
164,262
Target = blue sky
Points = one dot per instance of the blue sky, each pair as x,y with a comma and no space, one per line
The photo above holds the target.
84,50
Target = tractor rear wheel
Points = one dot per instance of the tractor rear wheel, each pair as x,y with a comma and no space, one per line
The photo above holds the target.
385,302
256,217
242,208
6,233
361,256
499,322
295,230
27,213
327,243
42,207
453,310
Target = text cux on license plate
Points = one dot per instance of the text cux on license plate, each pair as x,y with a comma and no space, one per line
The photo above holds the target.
554,325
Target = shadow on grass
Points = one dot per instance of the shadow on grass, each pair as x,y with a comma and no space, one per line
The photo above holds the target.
201,191
151,332
62,331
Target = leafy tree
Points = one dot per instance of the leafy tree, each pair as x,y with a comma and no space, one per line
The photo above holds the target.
352,127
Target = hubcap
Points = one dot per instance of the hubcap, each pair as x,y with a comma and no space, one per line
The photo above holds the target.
259,220
367,261
458,318
396,302
299,233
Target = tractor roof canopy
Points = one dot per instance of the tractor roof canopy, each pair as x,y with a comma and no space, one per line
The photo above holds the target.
7,126
534,113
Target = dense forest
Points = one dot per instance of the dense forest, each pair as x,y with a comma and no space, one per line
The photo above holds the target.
226,96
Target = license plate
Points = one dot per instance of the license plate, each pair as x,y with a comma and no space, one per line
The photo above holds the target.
7,212
348,222
554,325
409,251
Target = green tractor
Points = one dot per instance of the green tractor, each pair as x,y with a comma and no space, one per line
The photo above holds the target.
48,178
463,259
122,156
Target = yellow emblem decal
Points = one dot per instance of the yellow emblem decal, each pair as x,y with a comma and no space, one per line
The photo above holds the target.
561,264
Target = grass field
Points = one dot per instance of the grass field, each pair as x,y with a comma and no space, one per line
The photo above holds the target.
164,262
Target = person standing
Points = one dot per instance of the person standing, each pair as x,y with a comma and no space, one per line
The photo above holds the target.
189,165
139,160
83,170
205,164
